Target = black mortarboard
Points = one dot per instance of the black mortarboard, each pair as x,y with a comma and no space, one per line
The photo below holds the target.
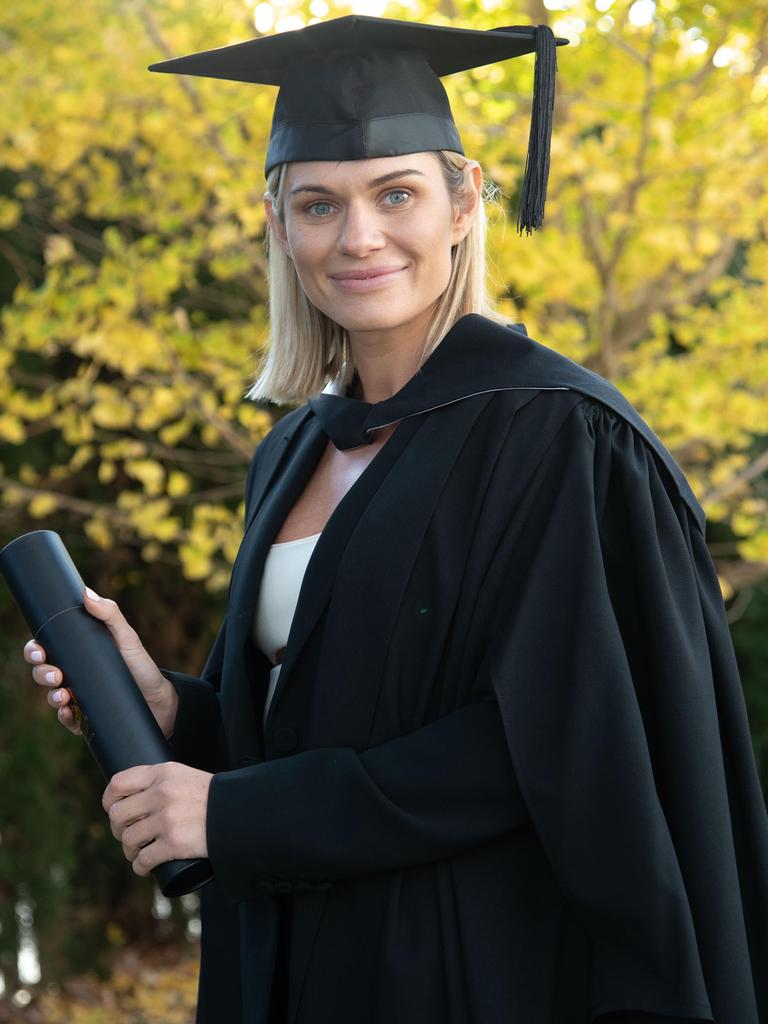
358,87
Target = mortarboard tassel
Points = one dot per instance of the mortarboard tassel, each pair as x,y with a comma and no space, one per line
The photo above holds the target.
534,189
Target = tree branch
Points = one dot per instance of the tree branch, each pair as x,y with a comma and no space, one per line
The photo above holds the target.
755,468
78,505
212,135
660,297
241,443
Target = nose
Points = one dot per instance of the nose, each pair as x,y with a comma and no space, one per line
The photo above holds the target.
360,231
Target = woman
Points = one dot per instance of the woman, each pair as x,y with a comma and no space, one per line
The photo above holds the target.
470,745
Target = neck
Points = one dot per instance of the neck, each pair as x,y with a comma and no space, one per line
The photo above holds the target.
385,360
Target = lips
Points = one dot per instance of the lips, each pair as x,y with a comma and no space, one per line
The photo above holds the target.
364,275
375,279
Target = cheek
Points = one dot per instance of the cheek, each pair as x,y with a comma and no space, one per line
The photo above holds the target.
309,253
430,234
432,243
304,246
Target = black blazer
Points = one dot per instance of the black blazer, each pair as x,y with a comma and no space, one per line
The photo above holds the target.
506,774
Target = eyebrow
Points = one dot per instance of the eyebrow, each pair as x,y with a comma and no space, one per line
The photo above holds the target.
371,184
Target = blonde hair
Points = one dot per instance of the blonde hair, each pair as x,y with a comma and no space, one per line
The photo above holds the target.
307,348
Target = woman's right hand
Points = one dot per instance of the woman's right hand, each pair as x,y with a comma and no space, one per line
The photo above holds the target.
158,691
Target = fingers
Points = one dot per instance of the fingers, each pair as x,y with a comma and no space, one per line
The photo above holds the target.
33,653
51,677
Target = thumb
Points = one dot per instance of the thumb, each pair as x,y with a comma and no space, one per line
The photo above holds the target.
95,604
108,611
145,672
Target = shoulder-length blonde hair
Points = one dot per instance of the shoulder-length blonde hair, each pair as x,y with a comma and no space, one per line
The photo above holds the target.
307,348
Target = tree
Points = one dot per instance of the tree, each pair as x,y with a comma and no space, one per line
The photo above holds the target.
132,311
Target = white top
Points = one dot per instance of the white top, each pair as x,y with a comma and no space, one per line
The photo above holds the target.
284,570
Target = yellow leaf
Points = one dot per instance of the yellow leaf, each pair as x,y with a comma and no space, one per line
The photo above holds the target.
210,435
725,588
112,413
172,433
10,213
107,471
83,455
42,505
255,419
195,564
99,532
166,529
178,483
149,472
12,429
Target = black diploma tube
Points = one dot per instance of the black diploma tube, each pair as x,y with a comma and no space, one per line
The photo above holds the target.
114,717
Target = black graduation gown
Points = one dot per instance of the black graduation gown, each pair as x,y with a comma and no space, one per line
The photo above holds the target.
506,774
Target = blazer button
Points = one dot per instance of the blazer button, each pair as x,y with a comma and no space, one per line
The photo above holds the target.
286,738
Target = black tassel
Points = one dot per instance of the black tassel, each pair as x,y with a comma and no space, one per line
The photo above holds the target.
534,189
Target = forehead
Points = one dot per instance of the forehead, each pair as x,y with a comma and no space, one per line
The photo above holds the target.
335,173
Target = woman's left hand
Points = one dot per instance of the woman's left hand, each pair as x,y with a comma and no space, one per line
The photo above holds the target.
158,812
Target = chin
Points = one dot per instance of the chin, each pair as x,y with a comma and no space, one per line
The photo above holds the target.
381,315
369,321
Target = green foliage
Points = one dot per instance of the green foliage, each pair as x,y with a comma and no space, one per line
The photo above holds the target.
748,631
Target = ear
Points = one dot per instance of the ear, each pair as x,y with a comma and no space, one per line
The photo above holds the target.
465,216
276,227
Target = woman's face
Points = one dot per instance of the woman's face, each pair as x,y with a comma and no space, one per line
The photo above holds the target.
371,239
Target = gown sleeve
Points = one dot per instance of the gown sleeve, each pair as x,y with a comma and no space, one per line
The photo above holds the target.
626,723
332,813
198,737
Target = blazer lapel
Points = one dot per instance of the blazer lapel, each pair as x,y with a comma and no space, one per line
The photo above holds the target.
323,565
271,462
245,673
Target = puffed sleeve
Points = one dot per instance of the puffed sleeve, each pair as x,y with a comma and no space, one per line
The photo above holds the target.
626,723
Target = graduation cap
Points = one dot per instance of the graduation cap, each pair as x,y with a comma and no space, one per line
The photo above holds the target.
358,87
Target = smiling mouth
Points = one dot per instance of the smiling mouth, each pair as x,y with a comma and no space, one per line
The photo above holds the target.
367,278
361,276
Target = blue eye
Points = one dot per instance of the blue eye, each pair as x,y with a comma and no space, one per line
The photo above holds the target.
312,206
315,211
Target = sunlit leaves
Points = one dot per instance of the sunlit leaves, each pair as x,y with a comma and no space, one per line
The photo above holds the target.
146,314
136,991
12,429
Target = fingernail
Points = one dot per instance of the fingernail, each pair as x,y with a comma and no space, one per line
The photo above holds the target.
93,596
50,677
36,655
58,696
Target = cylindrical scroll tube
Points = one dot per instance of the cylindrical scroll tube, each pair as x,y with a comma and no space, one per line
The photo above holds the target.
116,721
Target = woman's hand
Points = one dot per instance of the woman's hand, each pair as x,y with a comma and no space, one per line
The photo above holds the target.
158,812
158,691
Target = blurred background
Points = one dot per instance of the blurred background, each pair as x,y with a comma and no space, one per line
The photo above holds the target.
132,316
